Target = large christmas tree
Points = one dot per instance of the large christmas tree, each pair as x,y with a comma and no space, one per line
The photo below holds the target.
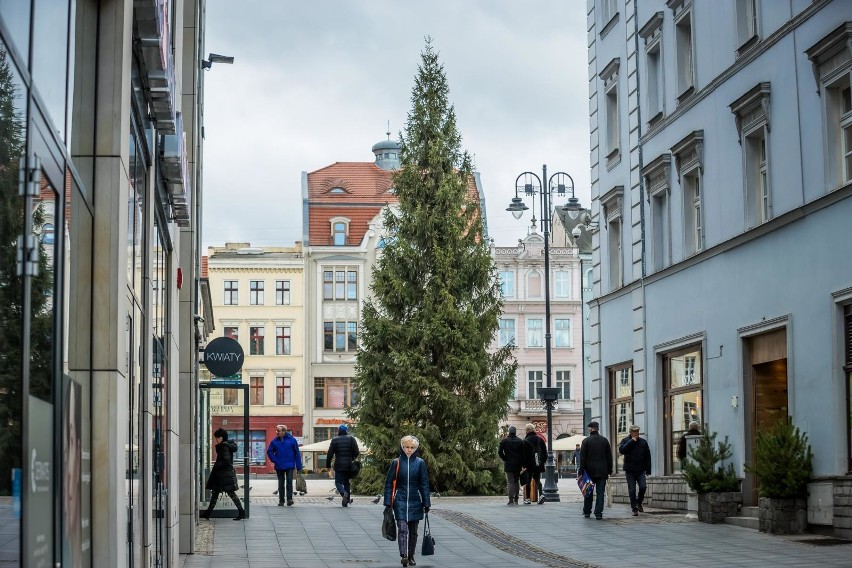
424,366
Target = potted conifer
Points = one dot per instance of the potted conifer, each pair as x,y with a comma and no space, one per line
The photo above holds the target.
783,465
717,485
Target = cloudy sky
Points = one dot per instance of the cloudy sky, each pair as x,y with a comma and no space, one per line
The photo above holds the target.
316,82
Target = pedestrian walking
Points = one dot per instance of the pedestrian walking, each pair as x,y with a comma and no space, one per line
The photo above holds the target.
596,460
343,449
694,430
535,456
223,478
575,457
407,493
283,452
511,451
637,464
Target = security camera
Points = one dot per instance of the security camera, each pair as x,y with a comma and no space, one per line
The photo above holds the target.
576,232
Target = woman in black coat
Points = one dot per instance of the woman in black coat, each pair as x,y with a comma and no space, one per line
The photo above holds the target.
223,478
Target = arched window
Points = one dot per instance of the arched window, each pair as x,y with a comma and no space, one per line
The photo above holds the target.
534,284
47,234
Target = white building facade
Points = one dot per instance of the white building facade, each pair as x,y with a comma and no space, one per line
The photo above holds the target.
721,135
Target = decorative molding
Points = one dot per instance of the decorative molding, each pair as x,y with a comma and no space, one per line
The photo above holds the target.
610,72
752,109
652,31
689,153
764,326
680,342
842,294
657,174
612,202
832,52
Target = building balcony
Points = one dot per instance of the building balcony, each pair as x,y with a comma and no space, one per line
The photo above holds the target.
534,407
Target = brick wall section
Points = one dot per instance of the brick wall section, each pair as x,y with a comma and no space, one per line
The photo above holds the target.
843,507
662,493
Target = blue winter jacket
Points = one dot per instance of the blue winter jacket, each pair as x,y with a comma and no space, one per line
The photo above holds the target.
284,452
412,488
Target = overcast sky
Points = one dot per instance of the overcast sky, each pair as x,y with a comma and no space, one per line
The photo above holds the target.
316,82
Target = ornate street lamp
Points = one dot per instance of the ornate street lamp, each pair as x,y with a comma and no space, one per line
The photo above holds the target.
531,185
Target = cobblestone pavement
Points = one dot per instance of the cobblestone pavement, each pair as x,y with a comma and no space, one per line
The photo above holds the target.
483,531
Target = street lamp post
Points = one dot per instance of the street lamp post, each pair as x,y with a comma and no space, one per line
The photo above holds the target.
531,185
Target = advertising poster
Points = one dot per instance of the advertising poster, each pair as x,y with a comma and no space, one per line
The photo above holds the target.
72,552
38,552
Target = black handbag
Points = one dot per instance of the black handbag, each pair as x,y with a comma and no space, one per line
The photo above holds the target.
354,469
389,524
428,548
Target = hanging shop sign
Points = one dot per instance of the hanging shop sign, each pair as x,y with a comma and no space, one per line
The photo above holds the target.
224,357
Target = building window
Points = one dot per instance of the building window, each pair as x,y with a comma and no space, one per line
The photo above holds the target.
506,335
612,131
832,61
340,336
682,398
48,236
751,112
230,397
332,392
747,31
535,381
534,288
233,332
507,283
652,34
609,10
656,175
282,391
611,204
563,383
534,333
232,292
847,370
282,292
620,406
282,340
256,335
562,335
689,160
255,391
256,292
339,233
684,49
340,285
561,284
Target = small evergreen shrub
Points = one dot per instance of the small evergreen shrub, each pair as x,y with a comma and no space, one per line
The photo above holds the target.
783,461
704,471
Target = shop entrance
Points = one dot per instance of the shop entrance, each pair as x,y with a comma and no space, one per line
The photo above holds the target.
224,404
766,392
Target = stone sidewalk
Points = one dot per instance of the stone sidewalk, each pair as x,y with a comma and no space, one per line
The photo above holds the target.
483,531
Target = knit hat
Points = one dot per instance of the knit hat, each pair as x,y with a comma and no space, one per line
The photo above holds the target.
342,429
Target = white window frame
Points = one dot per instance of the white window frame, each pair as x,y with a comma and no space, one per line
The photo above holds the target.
831,58
612,120
535,333
611,203
689,164
609,10
282,292
339,226
684,32
535,380
562,381
562,332
658,190
284,381
232,298
506,334
655,90
562,284
507,283
748,24
256,295
752,116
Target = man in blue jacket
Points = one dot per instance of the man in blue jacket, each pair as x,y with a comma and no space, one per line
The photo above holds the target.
637,464
284,453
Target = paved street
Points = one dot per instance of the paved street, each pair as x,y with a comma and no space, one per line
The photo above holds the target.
483,531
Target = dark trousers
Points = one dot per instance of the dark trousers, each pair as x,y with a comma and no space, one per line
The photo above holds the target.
634,479
406,537
600,490
513,485
285,484
535,477
232,494
341,481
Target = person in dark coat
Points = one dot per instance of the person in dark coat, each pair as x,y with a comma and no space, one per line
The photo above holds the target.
223,478
511,451
596,460
535,456
694,430
407,491
283,452
637,464
343,449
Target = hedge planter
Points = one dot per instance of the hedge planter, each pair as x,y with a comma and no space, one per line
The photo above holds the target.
714,507
783,516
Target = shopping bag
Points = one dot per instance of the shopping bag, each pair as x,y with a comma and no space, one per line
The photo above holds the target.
301,485
354,469
428,548
587,486
389,525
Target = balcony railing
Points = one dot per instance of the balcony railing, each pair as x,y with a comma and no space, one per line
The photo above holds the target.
535,407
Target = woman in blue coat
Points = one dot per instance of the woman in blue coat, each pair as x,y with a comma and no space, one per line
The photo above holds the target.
409,498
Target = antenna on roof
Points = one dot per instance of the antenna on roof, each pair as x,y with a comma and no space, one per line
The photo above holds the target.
388,132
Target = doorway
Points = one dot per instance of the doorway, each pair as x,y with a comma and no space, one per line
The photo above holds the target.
766,391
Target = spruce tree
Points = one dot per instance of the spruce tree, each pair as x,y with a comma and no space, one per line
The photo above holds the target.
424,366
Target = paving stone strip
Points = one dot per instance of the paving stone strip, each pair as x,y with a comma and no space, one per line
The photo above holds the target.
508,543
204,538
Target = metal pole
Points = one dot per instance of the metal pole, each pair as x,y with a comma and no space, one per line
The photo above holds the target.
551,493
